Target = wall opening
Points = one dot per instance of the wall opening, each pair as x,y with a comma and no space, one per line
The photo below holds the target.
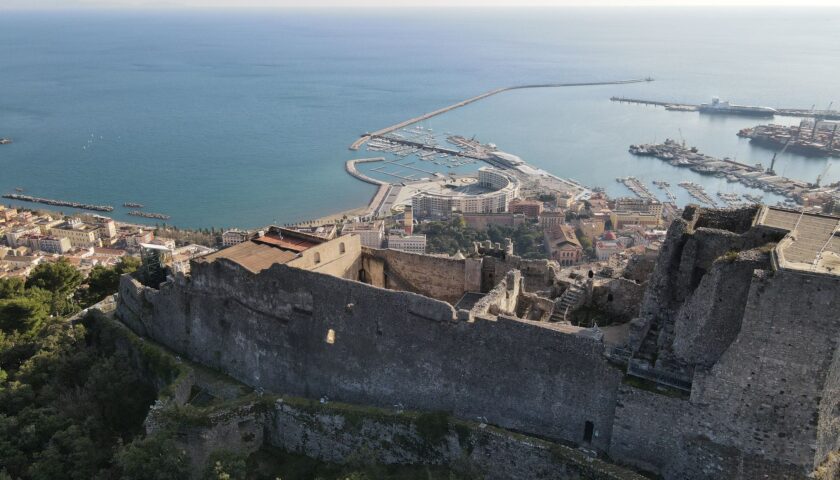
317,258
610,297
330,336
341,248
588,429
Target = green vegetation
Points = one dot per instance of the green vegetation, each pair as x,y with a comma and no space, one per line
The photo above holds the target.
272,463
66,401
454,235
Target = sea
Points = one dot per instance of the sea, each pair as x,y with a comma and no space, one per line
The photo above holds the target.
223,118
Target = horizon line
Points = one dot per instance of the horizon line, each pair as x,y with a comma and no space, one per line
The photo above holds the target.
426,6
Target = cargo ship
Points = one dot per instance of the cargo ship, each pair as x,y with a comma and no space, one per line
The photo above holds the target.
725,108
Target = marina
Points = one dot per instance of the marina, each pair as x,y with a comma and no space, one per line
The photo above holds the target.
59,203
637,187
699,193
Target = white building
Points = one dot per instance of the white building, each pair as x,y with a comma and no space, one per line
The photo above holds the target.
503,187
234,237
604,249
371,234
407,243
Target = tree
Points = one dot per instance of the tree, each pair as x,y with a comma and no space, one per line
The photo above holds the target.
104,281
59,277
21,314
156,456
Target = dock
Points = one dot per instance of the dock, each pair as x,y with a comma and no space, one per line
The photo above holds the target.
690,107
637,187
367,136
754,176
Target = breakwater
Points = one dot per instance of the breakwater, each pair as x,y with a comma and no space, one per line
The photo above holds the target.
367,136
156,216
680,106
59,203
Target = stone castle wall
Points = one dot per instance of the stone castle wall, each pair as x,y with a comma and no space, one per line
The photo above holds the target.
271,330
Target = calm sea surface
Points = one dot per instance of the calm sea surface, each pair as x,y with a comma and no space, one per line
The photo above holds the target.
244,118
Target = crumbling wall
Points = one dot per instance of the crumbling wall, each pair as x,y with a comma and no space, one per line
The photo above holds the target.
437,277
312,335
710,318
619,297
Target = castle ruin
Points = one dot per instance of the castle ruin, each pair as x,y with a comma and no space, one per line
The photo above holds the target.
730,368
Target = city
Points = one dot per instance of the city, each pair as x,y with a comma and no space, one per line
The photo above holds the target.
450,240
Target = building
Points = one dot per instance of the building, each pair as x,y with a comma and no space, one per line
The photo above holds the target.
606,248
529,208
563,245
371,234
234,237
134,239
552,218
408,220
592,227
327,232
492,193
621,220
641,205
18,235
53,244
407,243
80,234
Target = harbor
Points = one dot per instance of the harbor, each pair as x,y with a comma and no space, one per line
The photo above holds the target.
754,176
810,138
411,121
826,114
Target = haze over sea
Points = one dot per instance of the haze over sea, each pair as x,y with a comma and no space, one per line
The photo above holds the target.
243,118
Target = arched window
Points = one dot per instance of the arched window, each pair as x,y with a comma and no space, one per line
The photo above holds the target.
317,258
341,248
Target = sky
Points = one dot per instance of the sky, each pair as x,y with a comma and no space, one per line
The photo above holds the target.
82,4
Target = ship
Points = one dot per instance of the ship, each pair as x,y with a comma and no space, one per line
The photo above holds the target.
726,108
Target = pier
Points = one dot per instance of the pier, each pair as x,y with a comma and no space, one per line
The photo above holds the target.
367,136
690,107
384,190
637,187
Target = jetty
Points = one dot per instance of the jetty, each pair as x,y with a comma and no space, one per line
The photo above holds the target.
384,188
367,136
59,203
691,107
637,187
156,216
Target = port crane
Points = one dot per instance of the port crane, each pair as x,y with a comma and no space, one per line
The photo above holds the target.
771,170
821,175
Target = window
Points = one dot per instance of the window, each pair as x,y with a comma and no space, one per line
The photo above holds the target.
588,428
341,248
317,258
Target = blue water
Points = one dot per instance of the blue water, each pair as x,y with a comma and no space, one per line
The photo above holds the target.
244,118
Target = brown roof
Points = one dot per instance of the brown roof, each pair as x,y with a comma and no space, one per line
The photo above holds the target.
286,243
253,255
564,234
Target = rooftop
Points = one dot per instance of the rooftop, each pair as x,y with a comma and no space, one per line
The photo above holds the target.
278,245
813,243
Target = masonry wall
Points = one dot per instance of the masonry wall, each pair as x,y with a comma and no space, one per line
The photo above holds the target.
270,330
436,277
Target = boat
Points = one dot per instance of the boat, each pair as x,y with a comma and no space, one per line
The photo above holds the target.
725,108
5,141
